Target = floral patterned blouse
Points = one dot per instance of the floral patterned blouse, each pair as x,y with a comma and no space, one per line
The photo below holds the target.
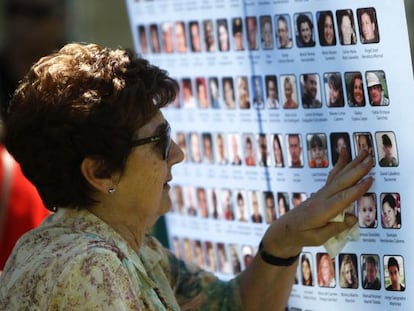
75,261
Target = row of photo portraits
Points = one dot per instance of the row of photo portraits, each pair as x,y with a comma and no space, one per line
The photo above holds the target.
255,206
345,271
287,91
265,32
368,272
285,150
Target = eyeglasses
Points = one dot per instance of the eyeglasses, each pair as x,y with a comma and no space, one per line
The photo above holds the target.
164,139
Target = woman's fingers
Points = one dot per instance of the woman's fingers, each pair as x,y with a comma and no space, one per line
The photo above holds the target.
340,164
347,176
319,236
362,156
320,209
343,164
336,203
310,223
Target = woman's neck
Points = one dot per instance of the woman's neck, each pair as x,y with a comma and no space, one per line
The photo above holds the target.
130,228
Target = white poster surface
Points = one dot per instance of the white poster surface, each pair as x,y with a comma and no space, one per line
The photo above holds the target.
269,91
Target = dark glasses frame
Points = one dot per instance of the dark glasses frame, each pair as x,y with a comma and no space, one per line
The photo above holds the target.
164,139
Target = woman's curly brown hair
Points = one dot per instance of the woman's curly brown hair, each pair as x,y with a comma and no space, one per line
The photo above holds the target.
83,101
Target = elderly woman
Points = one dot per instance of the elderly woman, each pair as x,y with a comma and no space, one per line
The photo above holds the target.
87,129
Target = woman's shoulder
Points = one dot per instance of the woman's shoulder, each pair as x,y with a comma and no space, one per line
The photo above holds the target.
59,260
62,240
50,247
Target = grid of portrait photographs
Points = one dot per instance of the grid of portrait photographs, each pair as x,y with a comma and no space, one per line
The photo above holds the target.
345,271
264,32
247,206
279,151
277,92
291,150
223,258
276,151
245,78
237,205
285,91
351,271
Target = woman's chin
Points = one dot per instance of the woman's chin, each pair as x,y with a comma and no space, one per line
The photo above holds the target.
166,205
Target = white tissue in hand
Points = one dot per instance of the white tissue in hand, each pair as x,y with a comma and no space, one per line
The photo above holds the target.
335,244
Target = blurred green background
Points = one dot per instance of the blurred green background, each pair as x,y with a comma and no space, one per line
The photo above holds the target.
99,21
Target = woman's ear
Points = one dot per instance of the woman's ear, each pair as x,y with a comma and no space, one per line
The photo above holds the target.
91,169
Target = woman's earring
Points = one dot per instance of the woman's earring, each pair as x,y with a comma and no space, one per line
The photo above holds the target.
111,190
